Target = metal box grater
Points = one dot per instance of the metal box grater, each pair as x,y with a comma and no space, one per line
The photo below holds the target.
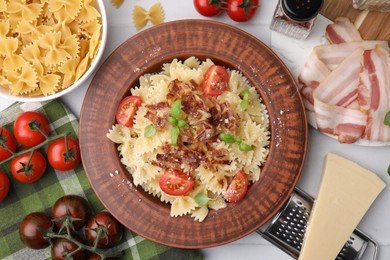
287,229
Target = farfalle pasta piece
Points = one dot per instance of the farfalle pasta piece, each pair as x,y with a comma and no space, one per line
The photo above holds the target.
71,45
26,11
117,3
89,28
48,83
88,12
70,7
141,17
4,28
68,69
51,43
35,31
23,81
3,5
8,47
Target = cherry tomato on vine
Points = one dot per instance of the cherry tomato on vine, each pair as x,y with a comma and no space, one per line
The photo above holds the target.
31,228
127,109
176,183
73,206
63,159
208,8
215,81
113,230
9,141
62,246
241,10
237,188
4,185
24,170
27,136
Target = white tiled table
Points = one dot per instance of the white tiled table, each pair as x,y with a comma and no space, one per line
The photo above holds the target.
376,222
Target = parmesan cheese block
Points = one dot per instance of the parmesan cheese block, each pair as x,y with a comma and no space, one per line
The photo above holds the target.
346,192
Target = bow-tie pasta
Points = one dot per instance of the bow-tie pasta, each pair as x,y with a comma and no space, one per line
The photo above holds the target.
46,45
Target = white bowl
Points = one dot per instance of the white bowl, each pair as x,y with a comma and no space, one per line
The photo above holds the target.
4,93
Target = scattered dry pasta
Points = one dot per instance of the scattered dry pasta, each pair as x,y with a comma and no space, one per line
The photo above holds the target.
209,161
141,16
45,46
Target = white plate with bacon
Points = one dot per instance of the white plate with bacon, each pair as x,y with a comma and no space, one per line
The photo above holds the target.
346,86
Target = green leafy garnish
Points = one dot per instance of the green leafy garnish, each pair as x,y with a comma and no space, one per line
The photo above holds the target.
176,123
150,130
244,147
202,199
387,119
181,123
388,170
227,138
245,98
230,139
176,109
175,135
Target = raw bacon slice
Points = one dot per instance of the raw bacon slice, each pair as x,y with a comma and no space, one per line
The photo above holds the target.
375,92
334,101
333,55
340,88
348,124
342,30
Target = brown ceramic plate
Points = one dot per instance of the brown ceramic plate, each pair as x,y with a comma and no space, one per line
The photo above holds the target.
225,45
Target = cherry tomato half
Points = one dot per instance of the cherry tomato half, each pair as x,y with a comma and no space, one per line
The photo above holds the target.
208,8
24,134
127,109
9,141
31,230
241,10
215,81
62,159
107,221
176,183
28,172
75,206
4,185
237,188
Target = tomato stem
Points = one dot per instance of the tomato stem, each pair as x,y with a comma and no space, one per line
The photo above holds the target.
34,148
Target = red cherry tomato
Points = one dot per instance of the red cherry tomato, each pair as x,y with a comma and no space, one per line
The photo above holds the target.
61,247
237,188
241,10
127,109
215,81
31,230
28,172
24,134
76,206
4,185
208,8
62,159
107,221
176,183
9,141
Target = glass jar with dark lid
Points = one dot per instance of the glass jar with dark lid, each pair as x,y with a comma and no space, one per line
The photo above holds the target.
295,18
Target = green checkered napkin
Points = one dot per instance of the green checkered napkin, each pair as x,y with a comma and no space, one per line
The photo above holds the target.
24,198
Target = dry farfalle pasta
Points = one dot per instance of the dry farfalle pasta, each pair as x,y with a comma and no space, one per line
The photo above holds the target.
46,45
141,16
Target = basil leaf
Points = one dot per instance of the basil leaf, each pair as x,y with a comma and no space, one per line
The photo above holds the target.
244,147
245,94
182,124
150,130
227,138
201,199
244,104
172,121
176,108
387,119
175,135
388,170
